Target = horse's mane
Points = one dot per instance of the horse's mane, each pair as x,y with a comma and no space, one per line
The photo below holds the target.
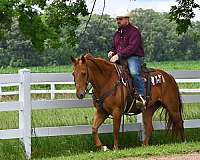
100,63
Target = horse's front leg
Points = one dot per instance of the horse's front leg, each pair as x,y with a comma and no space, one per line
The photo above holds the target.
116,126
99,118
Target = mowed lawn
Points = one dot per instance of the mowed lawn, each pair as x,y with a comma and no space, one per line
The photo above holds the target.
82,147
166,65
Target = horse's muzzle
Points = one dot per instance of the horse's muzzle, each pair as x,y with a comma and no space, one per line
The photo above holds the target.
80,95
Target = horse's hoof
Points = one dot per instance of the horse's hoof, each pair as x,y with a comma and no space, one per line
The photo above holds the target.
115,149
184,142
144,144
104,148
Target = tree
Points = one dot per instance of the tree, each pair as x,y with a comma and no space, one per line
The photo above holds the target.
42,21
183,13
98,36
17,51
161,42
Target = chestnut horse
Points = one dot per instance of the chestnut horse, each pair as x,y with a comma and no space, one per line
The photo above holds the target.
103,76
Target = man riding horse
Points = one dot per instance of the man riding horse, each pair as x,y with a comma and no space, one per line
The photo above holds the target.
110,95
127,46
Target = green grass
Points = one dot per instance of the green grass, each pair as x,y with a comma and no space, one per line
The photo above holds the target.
166,65
81,147
78,116
43,69
144,152
175,65
189,85
84,145
67,147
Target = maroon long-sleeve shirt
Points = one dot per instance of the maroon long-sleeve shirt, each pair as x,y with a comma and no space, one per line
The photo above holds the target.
127,42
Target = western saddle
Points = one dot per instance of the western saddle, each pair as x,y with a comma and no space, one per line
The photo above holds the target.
123,71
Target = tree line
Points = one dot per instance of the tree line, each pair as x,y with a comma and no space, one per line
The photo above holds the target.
161,41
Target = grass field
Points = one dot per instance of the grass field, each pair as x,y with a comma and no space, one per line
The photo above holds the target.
168,66
82,147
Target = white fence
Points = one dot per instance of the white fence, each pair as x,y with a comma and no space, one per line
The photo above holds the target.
24,79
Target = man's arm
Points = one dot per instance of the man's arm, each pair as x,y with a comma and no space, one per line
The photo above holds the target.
113,50
113,45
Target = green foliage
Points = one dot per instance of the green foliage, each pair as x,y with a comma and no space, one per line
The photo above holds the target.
183,13
98,36
16,51
41,21
161,42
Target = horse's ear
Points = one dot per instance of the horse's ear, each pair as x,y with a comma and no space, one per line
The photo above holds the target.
83,59
89,56
73,59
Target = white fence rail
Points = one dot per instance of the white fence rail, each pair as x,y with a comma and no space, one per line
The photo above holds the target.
25,79
52,91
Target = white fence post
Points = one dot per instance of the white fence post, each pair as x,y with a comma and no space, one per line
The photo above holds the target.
139,120
0,92
52,91
25,110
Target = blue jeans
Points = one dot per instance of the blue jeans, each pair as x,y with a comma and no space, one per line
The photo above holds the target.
134,64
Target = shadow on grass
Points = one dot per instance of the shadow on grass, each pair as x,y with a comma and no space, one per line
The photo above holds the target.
72,145
47,147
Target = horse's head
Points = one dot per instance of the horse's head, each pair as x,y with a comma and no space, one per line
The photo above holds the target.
81,77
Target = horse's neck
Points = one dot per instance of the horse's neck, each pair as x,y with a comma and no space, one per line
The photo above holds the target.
100,73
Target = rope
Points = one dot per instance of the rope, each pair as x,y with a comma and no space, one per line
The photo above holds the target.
89,17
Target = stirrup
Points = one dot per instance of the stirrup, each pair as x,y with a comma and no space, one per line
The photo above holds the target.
143,100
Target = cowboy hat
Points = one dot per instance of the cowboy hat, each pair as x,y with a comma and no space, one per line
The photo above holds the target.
123,14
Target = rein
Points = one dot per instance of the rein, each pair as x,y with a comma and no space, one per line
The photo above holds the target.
100,100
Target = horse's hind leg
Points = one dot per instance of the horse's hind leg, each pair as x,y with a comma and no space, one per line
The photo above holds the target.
147,119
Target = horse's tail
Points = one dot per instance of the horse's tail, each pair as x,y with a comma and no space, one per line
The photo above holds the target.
170,124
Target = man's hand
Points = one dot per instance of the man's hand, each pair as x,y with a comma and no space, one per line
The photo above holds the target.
114,58
110,54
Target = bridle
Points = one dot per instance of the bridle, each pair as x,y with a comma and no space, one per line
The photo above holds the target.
87,90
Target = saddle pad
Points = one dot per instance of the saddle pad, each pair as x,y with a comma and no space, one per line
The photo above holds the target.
157,79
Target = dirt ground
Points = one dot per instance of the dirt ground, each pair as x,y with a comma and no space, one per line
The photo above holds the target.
193,156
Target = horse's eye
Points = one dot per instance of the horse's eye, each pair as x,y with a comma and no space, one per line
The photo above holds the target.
83,73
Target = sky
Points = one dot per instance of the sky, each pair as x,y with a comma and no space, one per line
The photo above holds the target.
113,7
